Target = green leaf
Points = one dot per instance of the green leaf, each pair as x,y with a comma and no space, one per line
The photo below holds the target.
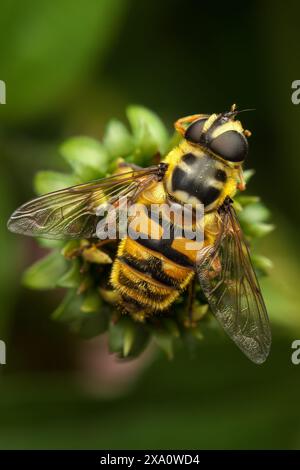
48,243
116,336
261,263
69,248
197,333
127,338
72,277
237,206
257,229
171,327
117,139
91,303
248,175
150,134
45,272
253,218
254,213
165,342
86,156
48,181
244,200
69,309
90,325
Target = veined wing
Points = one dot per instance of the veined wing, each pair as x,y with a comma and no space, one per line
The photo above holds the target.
230,284
72,212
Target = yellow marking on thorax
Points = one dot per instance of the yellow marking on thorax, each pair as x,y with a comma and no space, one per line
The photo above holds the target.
155,194
229,188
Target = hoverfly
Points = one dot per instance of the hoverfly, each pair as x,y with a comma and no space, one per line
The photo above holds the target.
150,274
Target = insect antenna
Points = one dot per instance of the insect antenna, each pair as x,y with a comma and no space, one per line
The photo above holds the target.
234,112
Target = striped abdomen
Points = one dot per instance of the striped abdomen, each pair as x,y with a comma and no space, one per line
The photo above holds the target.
149,274
146,280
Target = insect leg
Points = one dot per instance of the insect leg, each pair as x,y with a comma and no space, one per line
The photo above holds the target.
180,124
91,251
122,164
190,300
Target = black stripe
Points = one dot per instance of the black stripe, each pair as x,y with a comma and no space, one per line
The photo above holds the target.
179,180
152,268
209,195
163,246
189,159
126,282
183,181
220,175
136,304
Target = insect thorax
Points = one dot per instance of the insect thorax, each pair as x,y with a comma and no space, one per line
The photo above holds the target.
195,177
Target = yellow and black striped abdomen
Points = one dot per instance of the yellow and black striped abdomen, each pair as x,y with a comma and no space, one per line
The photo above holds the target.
146,280
150,272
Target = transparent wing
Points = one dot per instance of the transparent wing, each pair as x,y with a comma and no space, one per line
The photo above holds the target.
230,284
72,212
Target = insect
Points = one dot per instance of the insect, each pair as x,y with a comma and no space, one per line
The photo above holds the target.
149,274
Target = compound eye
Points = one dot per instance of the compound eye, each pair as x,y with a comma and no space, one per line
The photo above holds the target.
231,146
194,131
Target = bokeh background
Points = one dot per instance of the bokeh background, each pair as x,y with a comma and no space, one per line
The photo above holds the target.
70,66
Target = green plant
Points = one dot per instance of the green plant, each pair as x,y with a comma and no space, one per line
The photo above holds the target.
87,308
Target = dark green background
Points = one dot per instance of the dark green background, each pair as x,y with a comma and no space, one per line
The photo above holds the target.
69,67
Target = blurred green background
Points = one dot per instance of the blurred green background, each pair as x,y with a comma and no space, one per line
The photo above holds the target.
69,67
